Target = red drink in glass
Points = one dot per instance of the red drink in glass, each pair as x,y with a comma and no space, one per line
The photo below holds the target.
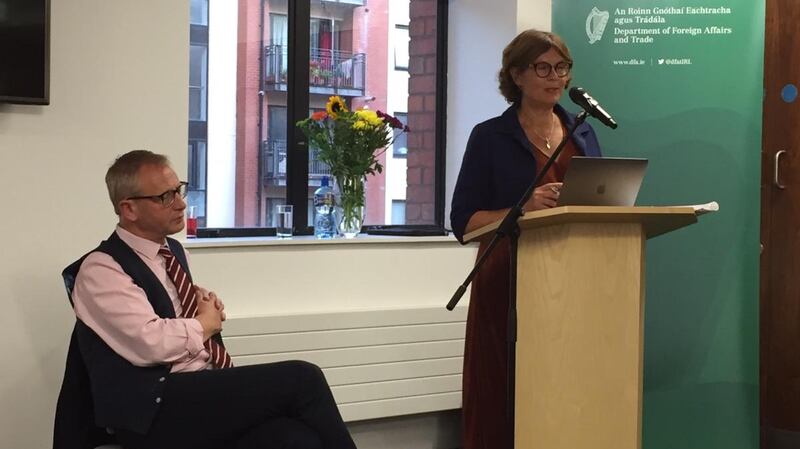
191,227
191,222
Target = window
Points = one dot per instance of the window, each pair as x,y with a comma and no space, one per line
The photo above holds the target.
198,62
398,212
196,191
401,41
199,12
255,72
274,163
279,43
198,108
400,145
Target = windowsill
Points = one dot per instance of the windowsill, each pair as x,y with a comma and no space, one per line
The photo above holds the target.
229,242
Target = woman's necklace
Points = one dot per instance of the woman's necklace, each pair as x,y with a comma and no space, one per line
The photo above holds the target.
549,133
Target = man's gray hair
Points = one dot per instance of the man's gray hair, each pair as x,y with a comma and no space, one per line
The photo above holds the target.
122,178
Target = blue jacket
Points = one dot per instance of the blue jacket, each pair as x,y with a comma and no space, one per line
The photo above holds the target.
499,165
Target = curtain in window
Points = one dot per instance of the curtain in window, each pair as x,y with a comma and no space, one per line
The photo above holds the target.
279,30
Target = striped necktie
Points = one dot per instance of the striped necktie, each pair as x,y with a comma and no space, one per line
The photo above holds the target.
186,292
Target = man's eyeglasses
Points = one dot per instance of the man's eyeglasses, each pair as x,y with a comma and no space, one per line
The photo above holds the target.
167,198
543,69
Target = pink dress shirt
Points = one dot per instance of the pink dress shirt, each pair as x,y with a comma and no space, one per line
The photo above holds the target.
107,300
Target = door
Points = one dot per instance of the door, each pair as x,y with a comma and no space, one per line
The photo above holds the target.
780,230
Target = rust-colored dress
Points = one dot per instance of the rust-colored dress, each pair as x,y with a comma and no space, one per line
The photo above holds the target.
485,351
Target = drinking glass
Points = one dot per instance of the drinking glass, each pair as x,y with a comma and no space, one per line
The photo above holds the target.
283,217
191,222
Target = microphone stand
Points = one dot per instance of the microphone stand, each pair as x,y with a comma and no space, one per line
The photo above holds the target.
509,227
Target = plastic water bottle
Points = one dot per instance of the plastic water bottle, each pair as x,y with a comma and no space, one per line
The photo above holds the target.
324,202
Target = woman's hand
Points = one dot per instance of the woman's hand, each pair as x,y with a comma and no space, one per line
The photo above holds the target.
544,197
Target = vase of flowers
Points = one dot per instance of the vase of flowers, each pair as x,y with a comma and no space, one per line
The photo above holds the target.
350,142
350,193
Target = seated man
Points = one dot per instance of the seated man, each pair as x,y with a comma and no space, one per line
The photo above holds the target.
159,374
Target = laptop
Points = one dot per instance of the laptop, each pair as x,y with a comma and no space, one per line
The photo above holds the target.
602,181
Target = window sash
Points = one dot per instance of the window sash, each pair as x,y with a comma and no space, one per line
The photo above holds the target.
296,31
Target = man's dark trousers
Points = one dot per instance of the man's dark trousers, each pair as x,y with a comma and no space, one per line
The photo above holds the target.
270,406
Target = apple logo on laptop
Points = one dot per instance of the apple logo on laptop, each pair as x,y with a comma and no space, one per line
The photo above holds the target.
601,189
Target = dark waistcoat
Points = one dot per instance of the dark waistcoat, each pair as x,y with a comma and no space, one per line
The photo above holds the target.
101,389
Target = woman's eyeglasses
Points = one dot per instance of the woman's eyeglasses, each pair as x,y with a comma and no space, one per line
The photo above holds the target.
543,69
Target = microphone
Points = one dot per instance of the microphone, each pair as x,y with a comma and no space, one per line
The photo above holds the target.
590,105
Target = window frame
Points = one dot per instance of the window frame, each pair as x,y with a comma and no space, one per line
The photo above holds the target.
394,50
401,136
198,129
297,107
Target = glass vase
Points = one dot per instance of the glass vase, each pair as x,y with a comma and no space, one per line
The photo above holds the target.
350,205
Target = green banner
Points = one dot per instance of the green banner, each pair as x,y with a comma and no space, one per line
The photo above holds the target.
684,80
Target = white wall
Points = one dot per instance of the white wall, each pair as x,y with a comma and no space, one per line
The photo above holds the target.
477,33
534,14
119,76
335,276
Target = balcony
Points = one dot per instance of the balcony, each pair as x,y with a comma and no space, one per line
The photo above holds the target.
347,2
274,160
330,72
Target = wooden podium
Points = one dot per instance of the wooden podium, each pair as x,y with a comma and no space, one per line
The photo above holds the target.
580,310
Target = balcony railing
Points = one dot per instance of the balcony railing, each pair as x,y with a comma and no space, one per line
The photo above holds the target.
274,160
347,2
329,71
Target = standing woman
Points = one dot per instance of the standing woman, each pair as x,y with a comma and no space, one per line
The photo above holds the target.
502,158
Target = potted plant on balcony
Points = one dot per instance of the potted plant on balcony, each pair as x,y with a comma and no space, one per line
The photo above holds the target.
350,142
314,73
327,77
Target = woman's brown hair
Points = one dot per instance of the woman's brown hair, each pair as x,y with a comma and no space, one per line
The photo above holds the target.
523,50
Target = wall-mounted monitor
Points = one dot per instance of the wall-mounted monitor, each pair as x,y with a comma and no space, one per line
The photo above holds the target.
25,51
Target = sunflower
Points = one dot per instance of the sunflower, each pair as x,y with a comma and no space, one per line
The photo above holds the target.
335,106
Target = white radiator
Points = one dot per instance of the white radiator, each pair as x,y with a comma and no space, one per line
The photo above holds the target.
379,363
